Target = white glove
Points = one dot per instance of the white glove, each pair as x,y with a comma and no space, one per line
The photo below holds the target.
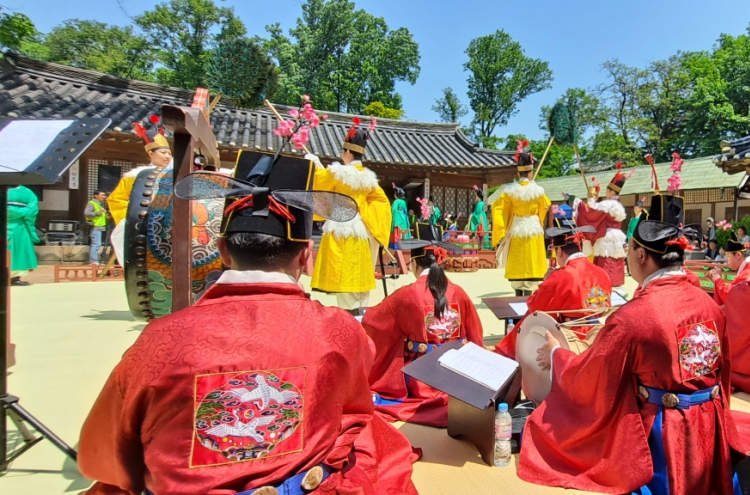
315,159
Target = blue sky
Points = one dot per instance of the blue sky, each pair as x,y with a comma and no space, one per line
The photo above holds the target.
575,37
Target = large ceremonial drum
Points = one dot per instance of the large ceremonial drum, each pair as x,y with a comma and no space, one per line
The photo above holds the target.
148,245
536,382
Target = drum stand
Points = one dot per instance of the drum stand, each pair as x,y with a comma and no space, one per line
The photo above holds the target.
10,406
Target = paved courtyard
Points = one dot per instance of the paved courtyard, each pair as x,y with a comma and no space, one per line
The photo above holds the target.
69,336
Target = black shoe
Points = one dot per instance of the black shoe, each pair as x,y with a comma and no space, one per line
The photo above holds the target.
19,282
519,293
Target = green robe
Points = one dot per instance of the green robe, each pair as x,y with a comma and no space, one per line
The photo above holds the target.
399,211
479,217
634,223
435,217
23,207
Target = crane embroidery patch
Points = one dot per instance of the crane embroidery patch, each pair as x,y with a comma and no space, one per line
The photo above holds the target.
700,349
597,298
446,327
248,415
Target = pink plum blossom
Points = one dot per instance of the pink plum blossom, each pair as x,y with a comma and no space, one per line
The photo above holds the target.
286,128
675,182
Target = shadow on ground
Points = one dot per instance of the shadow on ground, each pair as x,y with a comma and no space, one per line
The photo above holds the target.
110,315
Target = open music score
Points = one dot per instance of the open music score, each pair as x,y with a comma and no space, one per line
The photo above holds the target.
479,365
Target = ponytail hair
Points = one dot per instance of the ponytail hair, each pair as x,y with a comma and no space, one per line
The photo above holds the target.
437,282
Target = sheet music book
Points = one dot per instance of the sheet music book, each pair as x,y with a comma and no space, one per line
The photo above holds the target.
520,308
484,367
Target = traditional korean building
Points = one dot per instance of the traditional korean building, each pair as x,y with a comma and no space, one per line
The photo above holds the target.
708,192
423,158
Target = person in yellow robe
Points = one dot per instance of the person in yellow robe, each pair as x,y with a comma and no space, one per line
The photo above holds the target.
518,219
160,155
345,264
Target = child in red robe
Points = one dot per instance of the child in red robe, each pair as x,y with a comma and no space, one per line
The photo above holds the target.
413,321
255,387
645,409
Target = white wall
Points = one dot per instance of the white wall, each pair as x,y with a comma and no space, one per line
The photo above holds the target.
55,200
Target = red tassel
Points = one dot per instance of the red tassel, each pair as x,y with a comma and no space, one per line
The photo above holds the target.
141,131
154,119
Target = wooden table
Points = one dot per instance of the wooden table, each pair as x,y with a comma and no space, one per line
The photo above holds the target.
500,307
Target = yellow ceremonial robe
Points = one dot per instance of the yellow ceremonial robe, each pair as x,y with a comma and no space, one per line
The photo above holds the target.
523,211
119,198
344,261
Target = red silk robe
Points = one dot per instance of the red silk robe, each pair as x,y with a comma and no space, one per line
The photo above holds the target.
691,277
578,285
408,315
737,310
722,288
250,386
609,240
591,432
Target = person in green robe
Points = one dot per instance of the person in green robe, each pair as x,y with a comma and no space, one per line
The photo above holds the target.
436,214
23,208
479,217
399,211
638,213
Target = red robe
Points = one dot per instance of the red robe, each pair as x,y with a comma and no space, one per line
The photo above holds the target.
609,240
591,432
255,358
407,315
578,285
737,310
691,277
722,288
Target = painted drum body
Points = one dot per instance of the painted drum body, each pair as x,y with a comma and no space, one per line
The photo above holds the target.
148,245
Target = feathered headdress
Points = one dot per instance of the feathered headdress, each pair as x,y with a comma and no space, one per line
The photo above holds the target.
356,137
522,144
618,181
156,139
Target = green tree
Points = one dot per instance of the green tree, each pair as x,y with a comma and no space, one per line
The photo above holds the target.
586,106
449,108
377,109
560,159
342,57
15,28
185,32
96,46
500,77
241,70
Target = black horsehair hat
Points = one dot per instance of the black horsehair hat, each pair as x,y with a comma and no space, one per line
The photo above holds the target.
561,235
734,245
357,137
274,197
658,236
428,235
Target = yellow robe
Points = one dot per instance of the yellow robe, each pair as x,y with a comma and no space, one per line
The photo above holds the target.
344,261
498,226
523,211
119,198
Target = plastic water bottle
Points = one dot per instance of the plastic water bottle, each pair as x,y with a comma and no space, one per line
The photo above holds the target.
503,432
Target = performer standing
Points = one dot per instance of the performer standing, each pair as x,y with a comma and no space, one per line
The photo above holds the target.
160,155
478,220
23,208
638,214
578,284
348,250
606,217
413,321
524,210
435,213
399,212
736,260
215,399
624,416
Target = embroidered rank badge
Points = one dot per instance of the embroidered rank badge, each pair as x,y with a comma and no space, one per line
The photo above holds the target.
444,328
597,298
247,415
700,349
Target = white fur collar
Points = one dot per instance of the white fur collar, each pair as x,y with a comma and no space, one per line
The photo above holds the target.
354,175
611,207
525,191
133,172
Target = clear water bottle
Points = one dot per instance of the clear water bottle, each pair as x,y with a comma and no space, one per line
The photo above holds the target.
503,432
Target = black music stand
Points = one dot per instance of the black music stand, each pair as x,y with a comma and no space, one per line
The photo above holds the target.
65,142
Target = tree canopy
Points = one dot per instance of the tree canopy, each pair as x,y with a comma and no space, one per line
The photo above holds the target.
449,108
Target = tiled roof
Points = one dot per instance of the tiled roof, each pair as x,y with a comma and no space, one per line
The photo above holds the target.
697,173
735,155
39,90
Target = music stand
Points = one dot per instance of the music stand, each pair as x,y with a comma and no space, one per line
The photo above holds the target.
65,142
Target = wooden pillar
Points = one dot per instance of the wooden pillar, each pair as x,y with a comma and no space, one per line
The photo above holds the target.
182,226
427,184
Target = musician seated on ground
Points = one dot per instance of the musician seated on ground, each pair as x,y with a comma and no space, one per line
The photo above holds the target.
645,409
736,253
253,386
411,322
577,285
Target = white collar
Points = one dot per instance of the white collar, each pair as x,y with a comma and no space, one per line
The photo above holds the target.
425,272
255,277
662,273
574,256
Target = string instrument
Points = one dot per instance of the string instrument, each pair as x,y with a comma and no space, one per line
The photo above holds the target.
702,269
